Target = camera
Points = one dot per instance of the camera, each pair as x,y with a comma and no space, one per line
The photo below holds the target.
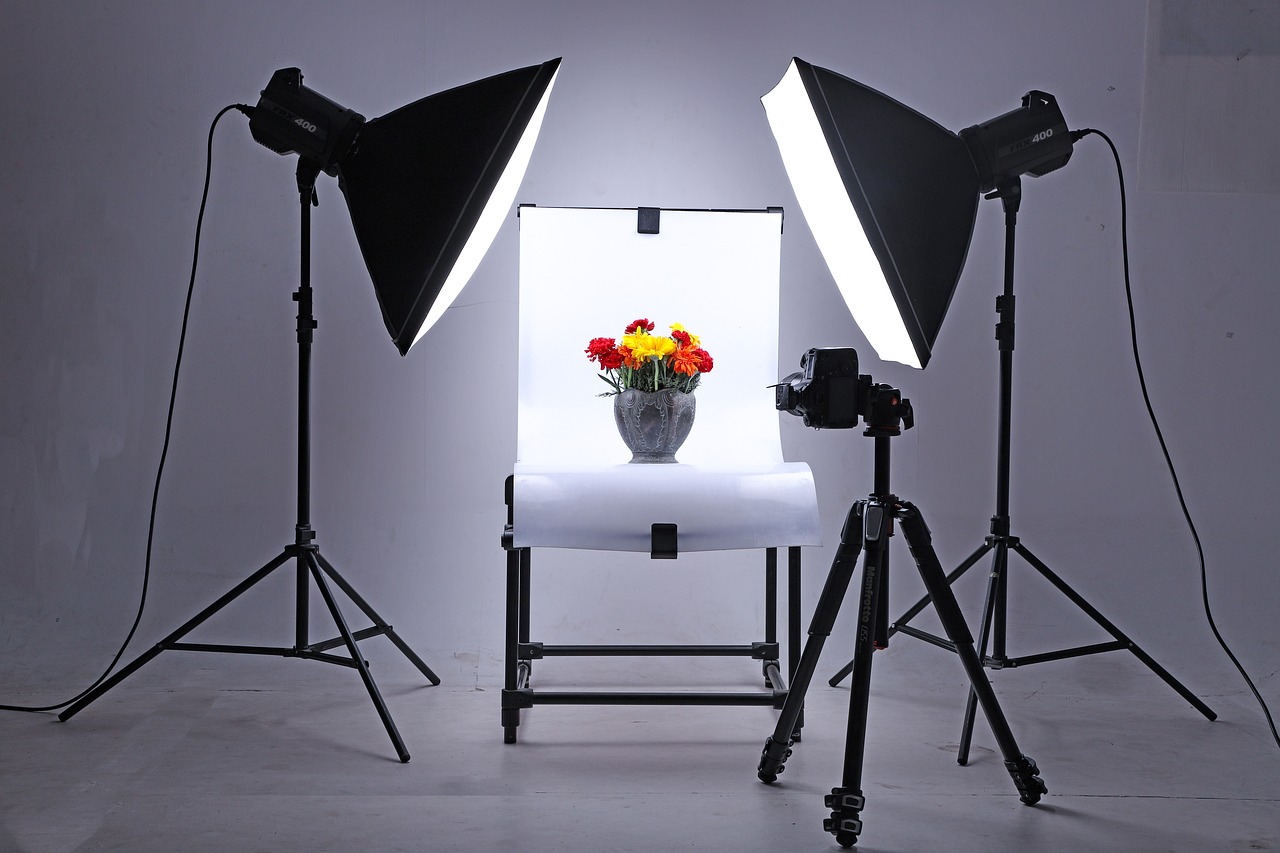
829,393
826,390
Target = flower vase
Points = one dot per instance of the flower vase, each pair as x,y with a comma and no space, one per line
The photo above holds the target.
654,424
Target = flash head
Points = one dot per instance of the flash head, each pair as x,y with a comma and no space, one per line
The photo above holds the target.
292,119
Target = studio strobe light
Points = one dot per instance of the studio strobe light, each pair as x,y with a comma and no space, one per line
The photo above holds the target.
891,198
427,187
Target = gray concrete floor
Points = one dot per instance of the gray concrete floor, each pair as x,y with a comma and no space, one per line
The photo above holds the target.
200,752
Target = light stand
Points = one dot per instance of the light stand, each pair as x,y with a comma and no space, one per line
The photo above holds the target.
891,198
311,566
427,185
1000,542
868,527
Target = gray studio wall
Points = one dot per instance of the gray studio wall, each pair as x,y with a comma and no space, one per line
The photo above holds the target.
106,110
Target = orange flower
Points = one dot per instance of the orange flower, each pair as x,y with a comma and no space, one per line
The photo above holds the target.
687,360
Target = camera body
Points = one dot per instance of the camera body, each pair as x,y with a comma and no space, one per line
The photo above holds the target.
826,391
829,393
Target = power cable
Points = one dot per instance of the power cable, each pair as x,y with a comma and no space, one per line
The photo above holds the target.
1164,449
168,429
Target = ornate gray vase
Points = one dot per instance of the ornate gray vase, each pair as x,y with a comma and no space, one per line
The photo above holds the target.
654,423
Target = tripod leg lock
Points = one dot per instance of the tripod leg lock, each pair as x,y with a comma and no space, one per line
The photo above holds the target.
1026,777
773,759
845,804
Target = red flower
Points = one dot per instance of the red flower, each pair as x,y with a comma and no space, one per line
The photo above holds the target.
601,348
682,337
611,360
706,361
637,325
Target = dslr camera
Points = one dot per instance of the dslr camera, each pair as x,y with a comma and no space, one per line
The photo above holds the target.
829,393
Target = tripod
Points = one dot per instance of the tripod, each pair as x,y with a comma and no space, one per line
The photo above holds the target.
1000,542
311,566
868,527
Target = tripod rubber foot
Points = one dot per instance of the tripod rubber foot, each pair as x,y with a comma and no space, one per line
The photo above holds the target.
1026,777
845,804
773,759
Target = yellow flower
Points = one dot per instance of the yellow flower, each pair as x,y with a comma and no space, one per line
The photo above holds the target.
644,345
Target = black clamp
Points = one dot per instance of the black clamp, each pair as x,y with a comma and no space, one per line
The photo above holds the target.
647,220
517,700
1005,307
663,542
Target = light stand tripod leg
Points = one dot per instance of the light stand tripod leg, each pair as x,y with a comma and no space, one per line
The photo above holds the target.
1115,632
966,728
999,564
383,627
777,748
169,641
1026,776
357,659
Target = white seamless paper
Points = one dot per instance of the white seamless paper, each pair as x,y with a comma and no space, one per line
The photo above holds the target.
586,273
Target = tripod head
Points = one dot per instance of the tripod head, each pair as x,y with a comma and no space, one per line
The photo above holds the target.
887,411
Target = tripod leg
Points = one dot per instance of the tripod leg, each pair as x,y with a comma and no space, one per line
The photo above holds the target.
1115,632
840,676
999,564
847,801
177,635
915,609
377,620
314,565
777,749
1026,776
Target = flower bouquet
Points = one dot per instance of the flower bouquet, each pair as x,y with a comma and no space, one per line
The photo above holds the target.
652,379
648,362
